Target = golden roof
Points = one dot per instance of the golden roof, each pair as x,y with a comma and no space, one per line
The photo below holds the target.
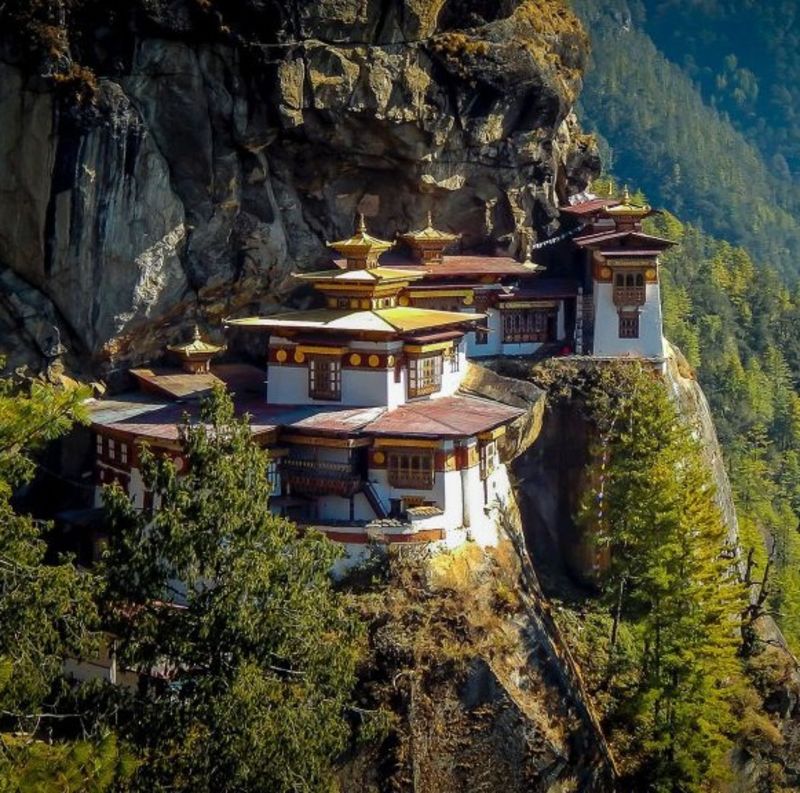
376,274
430,235
361,243
196,347
627,209
384,320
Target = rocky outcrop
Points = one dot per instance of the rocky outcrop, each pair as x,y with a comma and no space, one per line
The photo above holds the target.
176,159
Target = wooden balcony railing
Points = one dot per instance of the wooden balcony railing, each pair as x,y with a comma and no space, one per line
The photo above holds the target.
321,477
416,480
629,295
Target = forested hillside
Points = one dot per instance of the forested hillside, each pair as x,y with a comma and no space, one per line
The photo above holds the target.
738,326
696,125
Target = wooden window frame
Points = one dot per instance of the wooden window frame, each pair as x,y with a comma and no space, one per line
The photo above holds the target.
455,358
123,453
410,468
331,389
425,374
526,326
629,325
630,288
489,458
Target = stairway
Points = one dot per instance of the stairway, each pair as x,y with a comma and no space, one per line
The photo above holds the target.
374,500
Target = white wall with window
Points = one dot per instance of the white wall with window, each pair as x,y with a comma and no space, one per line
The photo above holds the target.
613,337
494,340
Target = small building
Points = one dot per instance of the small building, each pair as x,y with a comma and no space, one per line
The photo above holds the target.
621,312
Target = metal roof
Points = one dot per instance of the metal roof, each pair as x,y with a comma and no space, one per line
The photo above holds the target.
445,417
455,416
177,384
639,238
382,320
464,265
589,207
378,274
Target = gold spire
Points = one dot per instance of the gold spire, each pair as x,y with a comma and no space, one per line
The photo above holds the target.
362,249
627,209
196,354
429,243
528,263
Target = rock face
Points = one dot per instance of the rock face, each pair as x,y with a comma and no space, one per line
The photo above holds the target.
171,160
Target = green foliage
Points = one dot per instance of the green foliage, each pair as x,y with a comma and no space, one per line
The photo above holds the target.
683,151
46,613
738,325
672,675
258,648
33,766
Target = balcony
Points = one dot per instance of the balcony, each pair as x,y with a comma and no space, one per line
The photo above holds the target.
414,480
317,477
629,295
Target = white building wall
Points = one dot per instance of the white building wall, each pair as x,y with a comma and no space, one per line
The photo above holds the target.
607,342
494,341
495,345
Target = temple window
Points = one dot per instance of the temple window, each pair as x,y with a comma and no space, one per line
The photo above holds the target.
412,469
112,449
324,377
524,325
489,458
629,324
123,453
481,337
629,289
99,446
424,375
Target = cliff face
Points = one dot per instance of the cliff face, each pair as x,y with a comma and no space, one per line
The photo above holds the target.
170,160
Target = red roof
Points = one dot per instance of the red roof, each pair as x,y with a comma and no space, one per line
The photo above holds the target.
589,207
176,384
460,266
620,239
446,417
451,417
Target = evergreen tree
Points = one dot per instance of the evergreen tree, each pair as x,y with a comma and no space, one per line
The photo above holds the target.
230,614
670,582
46,614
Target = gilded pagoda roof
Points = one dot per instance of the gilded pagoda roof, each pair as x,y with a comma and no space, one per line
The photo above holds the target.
373,275
628,209
361,242
382,320
196,347
430,234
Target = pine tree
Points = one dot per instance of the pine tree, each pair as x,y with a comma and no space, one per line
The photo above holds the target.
238,607
670,582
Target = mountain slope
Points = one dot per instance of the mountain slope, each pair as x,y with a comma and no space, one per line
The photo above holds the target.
684,153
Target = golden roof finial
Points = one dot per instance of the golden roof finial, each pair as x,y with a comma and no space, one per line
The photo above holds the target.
430,219
196,335
626,195
362,226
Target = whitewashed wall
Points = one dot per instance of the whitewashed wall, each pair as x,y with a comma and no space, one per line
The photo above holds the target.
607,342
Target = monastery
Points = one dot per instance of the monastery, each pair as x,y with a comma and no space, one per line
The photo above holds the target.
358,403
